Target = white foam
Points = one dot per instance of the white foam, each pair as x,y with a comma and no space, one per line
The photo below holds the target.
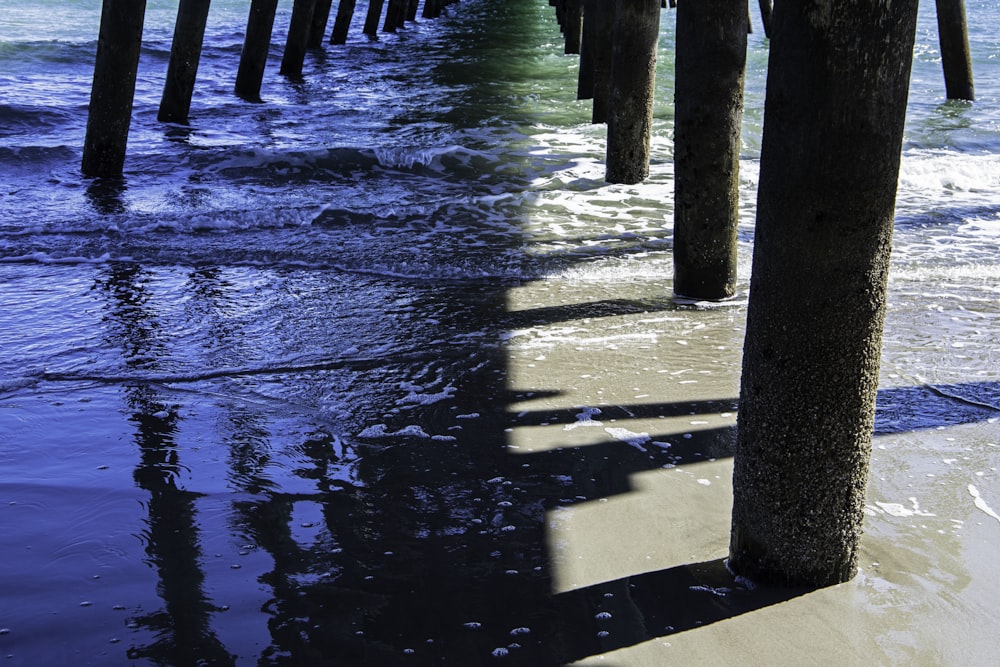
899,510
584,418
636,440
935,173
981,504
377,431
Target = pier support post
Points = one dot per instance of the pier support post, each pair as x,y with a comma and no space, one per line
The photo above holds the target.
709,72
321,16
953,35
298,38
432,9
573,27
633,74
588,38
837,86
185,54
115,69
342,24
765,16
395,14
604,27
256,45
374,14
411,10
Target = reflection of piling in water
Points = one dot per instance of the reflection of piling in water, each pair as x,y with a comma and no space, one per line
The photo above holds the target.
185,52
182,628
115,70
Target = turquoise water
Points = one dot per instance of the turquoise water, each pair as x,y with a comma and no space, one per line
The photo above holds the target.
255,401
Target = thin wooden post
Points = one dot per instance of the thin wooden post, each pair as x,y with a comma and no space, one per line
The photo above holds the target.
708,103
411,10
573,31
256,45
185,54
342,24
298,36
113,89
560,7
394,14
434,7
765,16
374,14
633,74
321,16
588,40
953,35
603,44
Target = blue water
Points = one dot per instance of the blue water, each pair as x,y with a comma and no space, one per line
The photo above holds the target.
256,398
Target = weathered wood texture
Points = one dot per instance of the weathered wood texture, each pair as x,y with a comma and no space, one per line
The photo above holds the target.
256,45
633,76
708,101
603,40
836,97
321,17
956,59
115,69
585,77
298,38
185,54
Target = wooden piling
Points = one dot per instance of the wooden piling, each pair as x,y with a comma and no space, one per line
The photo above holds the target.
585,76
342,24
374,14
573,29
298,36
604,17
953,35
317,31
256,45
765,16
185,54
113,89
834,115
432,9
633,74
711,46
394,15
411,10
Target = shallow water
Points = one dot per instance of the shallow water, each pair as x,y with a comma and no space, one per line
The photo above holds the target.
381,371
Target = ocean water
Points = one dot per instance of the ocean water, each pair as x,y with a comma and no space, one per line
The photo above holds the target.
307,385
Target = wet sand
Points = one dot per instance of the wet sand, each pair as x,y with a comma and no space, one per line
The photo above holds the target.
926,591
558,496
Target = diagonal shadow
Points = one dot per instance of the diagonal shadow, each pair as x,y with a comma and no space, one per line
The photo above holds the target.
646,606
